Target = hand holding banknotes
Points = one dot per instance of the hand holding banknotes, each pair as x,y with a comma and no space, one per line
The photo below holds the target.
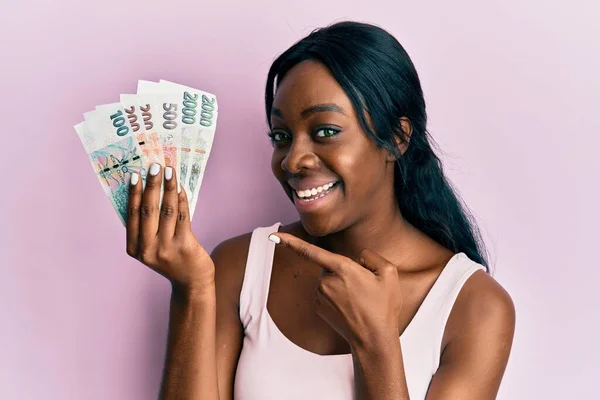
165,131
160,235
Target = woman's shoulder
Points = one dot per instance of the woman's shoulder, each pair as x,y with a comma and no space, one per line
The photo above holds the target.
232,250
484,297
229,258
235,249
483,312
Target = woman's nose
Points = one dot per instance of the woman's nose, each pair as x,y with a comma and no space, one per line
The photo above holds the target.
300,156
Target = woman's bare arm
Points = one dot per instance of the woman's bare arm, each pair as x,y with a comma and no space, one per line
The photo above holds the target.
204,288
481,329
230,265
190,366
205,333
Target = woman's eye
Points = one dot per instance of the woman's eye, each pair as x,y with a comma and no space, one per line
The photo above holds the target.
327,132
277,137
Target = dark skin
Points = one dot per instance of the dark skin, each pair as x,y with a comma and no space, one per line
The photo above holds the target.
357,237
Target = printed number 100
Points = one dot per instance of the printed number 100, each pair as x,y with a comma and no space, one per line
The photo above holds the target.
118,122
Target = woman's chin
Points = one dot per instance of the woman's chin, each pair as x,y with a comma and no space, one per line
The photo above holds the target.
317,226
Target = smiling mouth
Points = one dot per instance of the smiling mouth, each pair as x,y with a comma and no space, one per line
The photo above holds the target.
315,193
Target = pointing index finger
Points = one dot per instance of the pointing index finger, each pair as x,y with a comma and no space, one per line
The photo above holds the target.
327,260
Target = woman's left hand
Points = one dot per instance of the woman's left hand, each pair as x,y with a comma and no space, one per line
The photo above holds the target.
360,299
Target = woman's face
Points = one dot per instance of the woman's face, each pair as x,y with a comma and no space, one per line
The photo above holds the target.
334,174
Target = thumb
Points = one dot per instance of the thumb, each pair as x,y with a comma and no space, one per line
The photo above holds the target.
373,261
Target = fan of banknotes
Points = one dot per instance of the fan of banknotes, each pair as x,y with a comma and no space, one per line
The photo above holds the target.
165,123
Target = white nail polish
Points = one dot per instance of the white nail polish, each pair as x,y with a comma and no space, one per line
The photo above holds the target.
178,188
154,169
134,179
168,173
274,239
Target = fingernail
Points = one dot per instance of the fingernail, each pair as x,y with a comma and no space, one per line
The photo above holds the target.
168,173
274,239
134,179
154,168
178,188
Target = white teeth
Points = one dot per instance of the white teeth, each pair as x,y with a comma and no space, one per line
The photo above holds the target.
314,191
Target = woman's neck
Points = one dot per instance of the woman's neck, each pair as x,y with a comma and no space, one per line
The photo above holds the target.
386,233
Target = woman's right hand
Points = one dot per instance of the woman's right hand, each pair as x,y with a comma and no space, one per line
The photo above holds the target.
162,238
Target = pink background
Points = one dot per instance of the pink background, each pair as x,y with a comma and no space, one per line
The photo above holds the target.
513,96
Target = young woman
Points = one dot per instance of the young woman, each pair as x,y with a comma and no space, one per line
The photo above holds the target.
379,291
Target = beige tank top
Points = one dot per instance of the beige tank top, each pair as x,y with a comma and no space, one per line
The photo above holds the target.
271,367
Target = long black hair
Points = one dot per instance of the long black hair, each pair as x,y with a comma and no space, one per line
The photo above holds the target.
380,79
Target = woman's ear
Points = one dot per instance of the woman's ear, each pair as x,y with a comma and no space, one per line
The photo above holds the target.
406,128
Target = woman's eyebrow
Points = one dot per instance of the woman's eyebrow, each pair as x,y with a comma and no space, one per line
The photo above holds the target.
322,108
327,107
276,112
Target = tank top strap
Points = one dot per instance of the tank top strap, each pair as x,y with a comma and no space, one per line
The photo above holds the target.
257,276
433,313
